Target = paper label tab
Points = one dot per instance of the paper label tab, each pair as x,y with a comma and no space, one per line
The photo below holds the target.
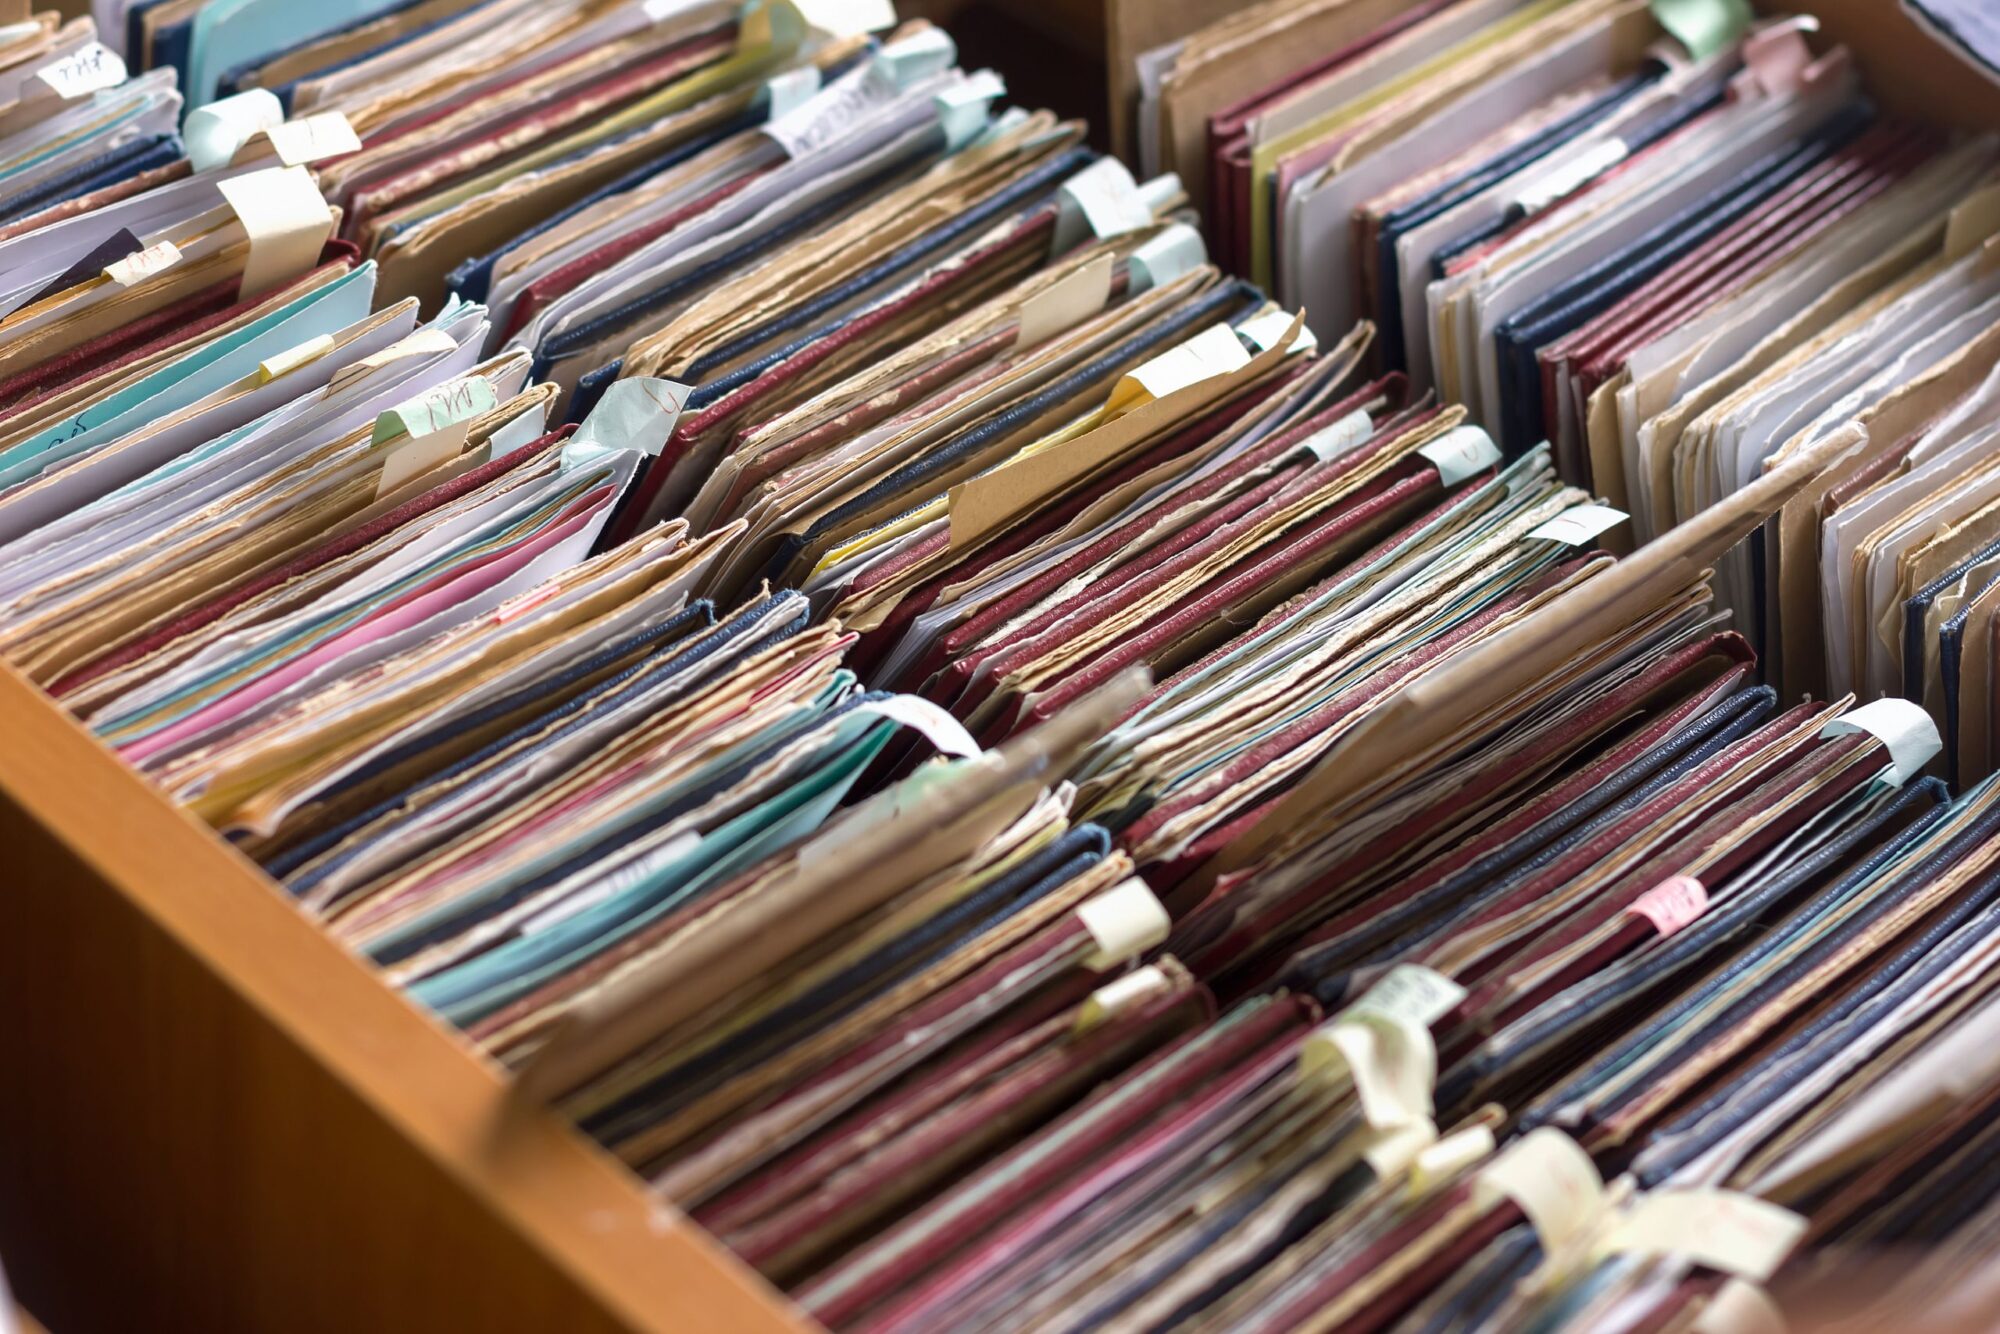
1067,304
1389,1152
918,57
1972,221
791,90
1125,921
1330,442
1704,27
964,107
214,132
635,413
270,368
421,342
1778,56
1550,1180
827,115
945,733
1265,330
1214,351
1176,251
287,222
1740,1307
1908,732
1443,1161
1163,192
1724,1229
1462,452
1580,524
81,73
1566,178
436,423
143,264
1671,904
846,18
308,140
1409,993
1383,1043
1122,995
1101,200
434,410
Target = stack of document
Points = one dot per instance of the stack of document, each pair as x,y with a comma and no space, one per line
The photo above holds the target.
1589,919
1584,903
1676,249
1021,781
75,131
1284,558
317,556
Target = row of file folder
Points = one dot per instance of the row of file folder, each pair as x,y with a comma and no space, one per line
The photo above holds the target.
1019,780
1673,248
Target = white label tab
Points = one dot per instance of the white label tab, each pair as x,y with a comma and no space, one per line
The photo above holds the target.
965,107
1068,303
1724,1229
142,264
1162,192
1580,524
1568,177
1383,1043
1101,200
1389,1152
1214,351
1408,993
214,132
1550,1180
846,18
1122,995
1330,442
1908,732
313,138
1741,1307
81,73
1443,1161
791,90
916,58
946,734
1176,251
827,115
286,220
1462,452
420,343
1265,330
1125,921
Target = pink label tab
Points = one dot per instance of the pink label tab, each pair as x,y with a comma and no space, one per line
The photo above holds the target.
1671,904
1778,57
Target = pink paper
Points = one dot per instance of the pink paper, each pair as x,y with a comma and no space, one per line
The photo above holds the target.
1671,904
451,586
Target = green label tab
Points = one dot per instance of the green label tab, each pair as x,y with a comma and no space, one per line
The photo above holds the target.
1704,27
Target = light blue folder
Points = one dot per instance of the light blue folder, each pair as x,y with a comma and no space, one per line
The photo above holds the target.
229,34
193,376
488,981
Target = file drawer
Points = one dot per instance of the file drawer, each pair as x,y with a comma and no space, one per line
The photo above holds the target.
220,1119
